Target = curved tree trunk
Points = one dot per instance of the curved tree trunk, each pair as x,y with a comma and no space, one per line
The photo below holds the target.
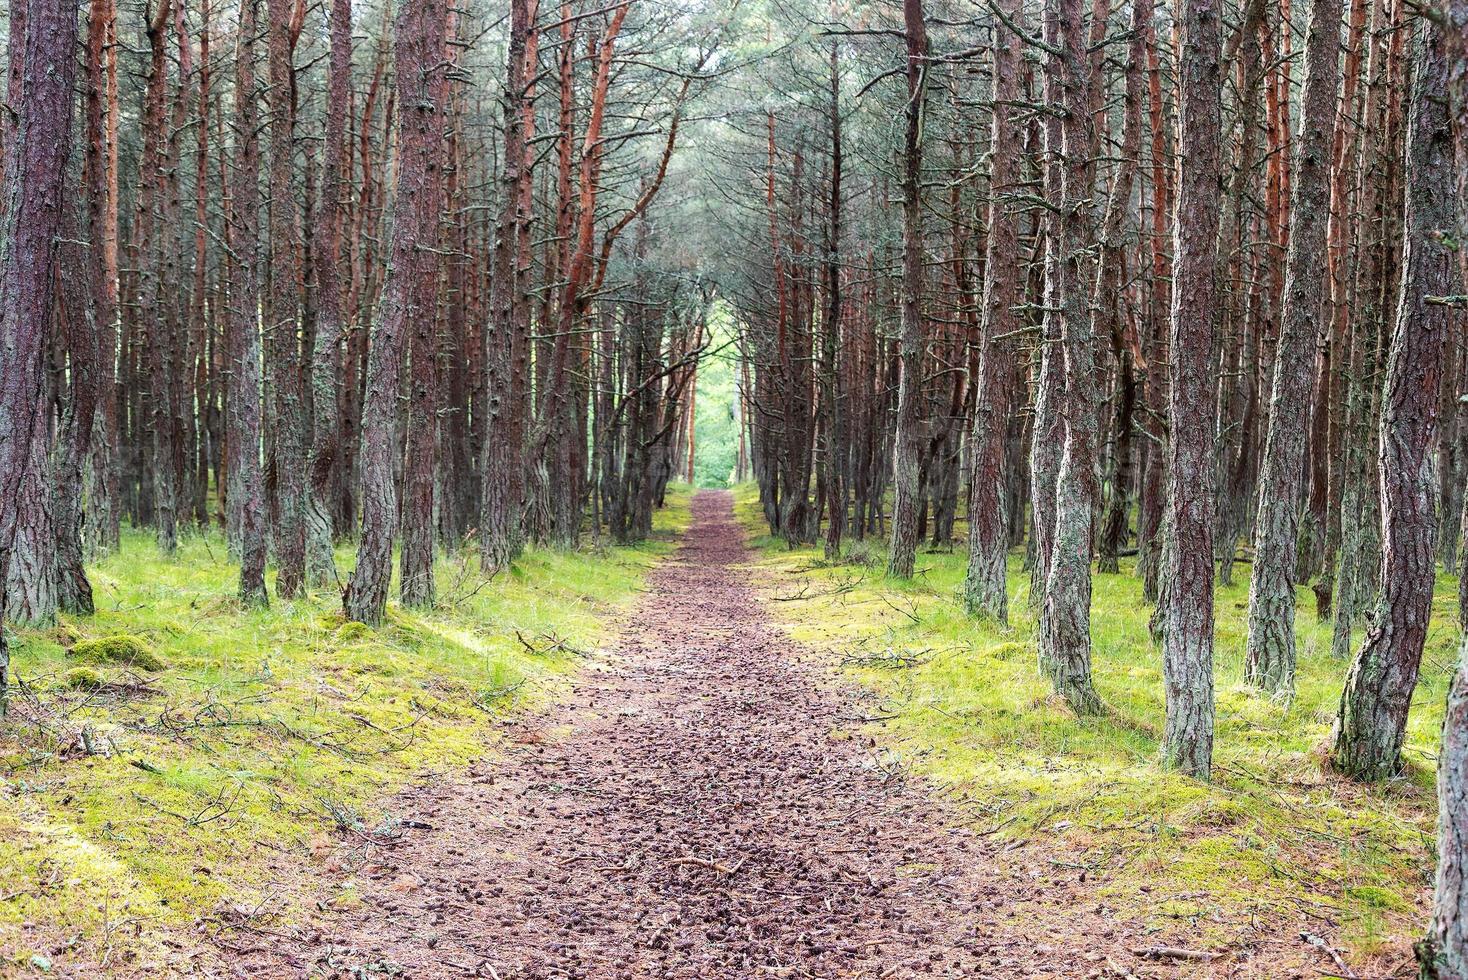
1368,733
1270,656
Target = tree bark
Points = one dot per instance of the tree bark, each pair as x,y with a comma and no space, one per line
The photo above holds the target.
907,498
35,173
242,338
1065,619
1369,728
1270,653
499,531
985,586
326,349
1187,640
408,294
282,329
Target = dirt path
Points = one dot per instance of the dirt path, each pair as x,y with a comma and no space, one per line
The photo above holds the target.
687,814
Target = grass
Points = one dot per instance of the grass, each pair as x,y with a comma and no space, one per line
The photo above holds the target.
262,745
1272,836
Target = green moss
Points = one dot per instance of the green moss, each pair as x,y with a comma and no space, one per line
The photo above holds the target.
352,630
1271,833
119,648
83,678
218,788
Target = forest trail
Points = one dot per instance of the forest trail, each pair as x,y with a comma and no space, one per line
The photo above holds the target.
686,813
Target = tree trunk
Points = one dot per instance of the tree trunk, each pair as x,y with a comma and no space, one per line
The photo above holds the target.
282,330
1065,618
326,350
35,173
1270,655
1368,732
985,585
1187,640
408,295
499,530
907,498
242,341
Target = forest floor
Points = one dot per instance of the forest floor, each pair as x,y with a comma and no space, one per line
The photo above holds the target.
179,773
704,804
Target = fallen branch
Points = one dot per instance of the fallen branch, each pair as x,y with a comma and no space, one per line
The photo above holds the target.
1325,947
705,863
1174,953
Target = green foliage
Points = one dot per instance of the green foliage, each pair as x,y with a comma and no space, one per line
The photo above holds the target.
120,648
1272,834
218,789
715,422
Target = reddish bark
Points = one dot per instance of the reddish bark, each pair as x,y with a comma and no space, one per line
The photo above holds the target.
35,172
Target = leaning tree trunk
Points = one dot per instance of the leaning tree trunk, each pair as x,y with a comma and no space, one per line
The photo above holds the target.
35,172
1367,738
1187,636
409,293
242,331
907,491
1270,656
985,587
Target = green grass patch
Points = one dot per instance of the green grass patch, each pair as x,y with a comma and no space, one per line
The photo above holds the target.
178,760
1271,835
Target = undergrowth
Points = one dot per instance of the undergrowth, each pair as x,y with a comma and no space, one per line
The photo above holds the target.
177,761
1272,836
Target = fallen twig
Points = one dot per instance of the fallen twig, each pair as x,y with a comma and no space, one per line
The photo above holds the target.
1174,953
1319,943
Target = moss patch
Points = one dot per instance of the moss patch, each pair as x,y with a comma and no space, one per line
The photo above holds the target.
119,648
210,791
83,679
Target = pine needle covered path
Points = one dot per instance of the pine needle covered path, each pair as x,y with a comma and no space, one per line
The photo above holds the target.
686,813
